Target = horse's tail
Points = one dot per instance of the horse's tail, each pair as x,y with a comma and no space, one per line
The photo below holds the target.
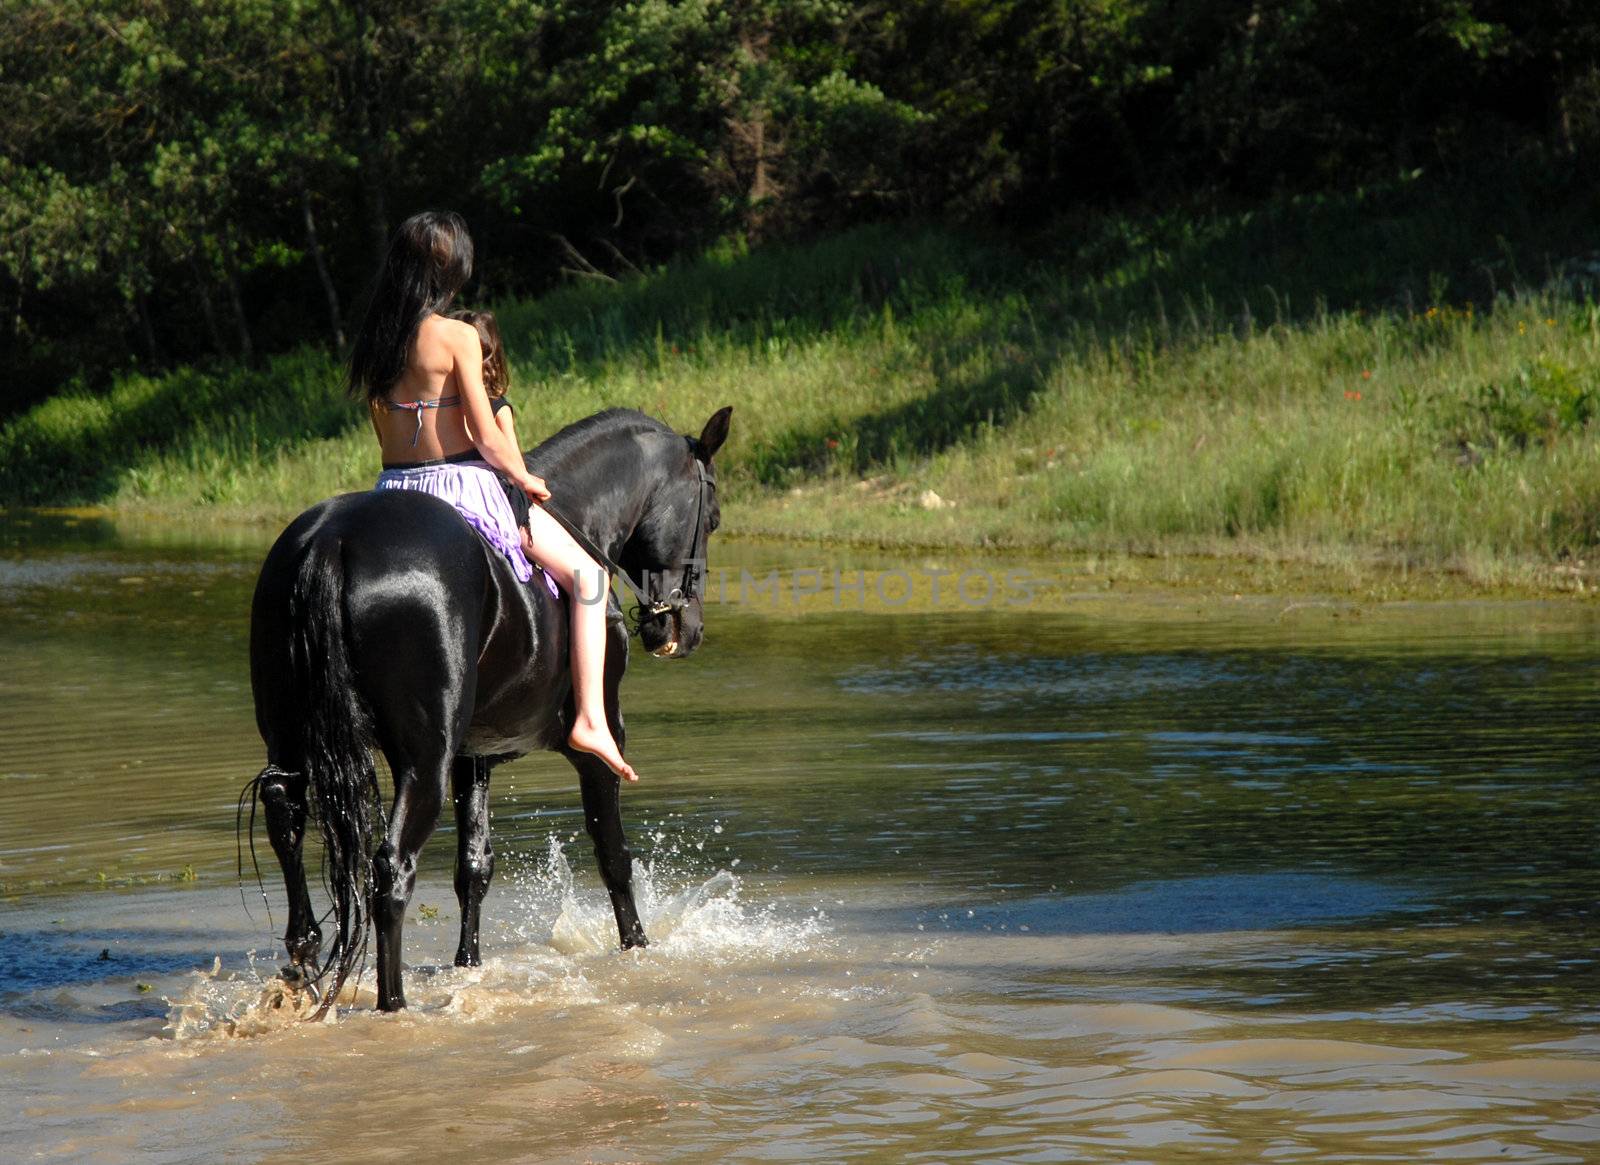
335,730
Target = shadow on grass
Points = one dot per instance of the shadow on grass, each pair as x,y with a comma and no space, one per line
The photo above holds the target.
734,299
1401,247
953,412
1157,281
79,447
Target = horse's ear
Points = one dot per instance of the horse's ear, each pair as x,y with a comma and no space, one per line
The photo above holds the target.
715,433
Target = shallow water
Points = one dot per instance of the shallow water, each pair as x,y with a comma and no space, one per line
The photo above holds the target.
1103,879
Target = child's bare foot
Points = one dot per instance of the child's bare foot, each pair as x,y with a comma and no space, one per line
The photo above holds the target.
588,736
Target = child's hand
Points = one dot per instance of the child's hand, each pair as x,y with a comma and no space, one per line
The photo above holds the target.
535,488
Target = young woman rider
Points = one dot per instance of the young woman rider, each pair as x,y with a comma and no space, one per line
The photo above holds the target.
422,376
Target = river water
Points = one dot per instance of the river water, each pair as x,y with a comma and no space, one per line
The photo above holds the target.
1087,877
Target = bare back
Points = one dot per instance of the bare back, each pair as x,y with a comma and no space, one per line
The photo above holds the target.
445,361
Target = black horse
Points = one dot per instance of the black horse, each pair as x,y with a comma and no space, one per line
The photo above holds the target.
383,620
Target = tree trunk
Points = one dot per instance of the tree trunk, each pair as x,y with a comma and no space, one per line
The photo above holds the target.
147,332
753,129
247,347
760,183
208,311
372,201
329,292
1569,145
369,152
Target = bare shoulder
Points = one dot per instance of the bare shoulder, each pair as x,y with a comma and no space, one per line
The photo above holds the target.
447,333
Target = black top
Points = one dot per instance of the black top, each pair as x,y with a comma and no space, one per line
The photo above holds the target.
496,403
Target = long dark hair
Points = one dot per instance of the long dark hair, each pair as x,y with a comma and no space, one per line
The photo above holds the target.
429,260
496,374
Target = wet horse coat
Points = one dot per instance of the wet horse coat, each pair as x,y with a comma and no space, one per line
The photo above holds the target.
383,620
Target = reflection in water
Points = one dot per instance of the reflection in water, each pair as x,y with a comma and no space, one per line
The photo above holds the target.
987,886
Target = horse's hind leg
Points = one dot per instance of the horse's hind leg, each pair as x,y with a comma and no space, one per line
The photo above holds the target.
469,784
283,796
418,796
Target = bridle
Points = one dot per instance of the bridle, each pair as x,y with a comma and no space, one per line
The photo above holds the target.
685,592
681,595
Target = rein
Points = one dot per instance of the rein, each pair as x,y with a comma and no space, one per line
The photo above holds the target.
681,595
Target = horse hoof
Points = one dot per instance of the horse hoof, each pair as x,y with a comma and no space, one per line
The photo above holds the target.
297,979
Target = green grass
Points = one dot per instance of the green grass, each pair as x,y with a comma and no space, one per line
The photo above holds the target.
1391,377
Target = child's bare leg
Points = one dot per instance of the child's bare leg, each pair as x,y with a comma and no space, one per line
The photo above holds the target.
577,574
592,732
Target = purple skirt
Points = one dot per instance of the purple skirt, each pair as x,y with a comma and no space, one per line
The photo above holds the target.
474,490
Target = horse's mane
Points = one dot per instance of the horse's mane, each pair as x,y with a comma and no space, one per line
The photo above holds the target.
558,447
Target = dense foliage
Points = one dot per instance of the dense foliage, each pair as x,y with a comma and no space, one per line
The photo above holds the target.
186,178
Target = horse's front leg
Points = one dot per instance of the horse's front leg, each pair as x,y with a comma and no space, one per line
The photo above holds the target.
602,791
602,815
469,784
283,796
602,801
418,797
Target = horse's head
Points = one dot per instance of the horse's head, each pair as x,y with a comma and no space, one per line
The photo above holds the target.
667,553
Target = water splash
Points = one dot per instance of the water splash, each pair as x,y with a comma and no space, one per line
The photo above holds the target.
686,915
233,1005
556,947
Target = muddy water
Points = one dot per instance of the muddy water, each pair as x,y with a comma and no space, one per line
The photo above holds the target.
1105,879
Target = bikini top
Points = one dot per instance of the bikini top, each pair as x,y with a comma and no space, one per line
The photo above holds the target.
415,407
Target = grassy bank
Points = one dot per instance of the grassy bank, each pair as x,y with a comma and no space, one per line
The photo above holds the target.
1379,378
